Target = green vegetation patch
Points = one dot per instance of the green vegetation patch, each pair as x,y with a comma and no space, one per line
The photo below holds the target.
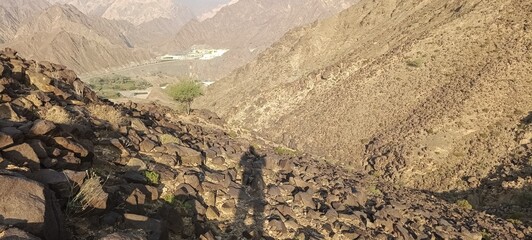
285,151
167,138
185,92
109,86
152,177
464,204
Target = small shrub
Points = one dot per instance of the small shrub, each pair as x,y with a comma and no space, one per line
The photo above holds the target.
232,134
464,204
285,151
152,177
185,92
414,63
184,207
169,198
167,138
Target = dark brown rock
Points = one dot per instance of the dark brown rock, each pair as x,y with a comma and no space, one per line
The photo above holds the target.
55,180
41,127
147,145
6,140
72,146
189,156
7,113
22,155
30,206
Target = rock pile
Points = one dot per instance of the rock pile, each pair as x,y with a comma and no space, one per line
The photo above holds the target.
74,166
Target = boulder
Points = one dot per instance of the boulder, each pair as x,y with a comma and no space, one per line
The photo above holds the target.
6,140
7,113
41,127
136,164
147,145
41,81
55,180
138,125
22,155
72,146
189,156
31,207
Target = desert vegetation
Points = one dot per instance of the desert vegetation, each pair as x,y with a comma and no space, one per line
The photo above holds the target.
110,86
185,92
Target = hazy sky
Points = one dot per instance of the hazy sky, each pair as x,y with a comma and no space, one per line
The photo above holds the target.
201,6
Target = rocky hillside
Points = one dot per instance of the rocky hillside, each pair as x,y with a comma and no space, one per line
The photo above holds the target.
84,168
247,27
430,95
64,34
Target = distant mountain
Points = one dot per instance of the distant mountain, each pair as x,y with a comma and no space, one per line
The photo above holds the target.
14,12
247,27
254,23
136,12
63,34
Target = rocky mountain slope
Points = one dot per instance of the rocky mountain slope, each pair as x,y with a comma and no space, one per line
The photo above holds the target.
133,11
247,27
64,34
84,168
429,95
14,12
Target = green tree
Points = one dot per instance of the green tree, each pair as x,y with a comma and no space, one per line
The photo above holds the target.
185,92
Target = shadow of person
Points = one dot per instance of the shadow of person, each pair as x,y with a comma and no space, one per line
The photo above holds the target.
249,216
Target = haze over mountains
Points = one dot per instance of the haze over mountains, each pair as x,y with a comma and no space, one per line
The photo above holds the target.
129,32
247,27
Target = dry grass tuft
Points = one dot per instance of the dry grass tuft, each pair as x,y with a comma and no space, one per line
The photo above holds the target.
107,113
57,115
88,196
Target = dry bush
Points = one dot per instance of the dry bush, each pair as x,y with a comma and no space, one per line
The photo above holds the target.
57,115
88,196
107,113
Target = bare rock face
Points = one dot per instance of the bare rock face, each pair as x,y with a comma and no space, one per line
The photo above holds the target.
31,207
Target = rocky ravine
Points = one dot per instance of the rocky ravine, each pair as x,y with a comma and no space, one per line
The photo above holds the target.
76,167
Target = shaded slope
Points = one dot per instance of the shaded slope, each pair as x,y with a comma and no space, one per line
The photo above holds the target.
414,92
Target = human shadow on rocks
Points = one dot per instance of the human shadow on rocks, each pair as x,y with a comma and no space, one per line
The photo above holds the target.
507,191
249,217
